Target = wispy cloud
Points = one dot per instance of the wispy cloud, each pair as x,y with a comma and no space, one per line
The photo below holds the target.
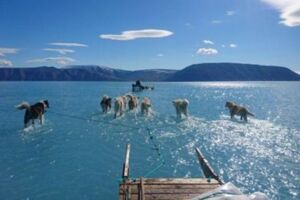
55,60
188,24
207,51
160,55
289,11
230,12
232,45
5,63
61,51
208,42
68,44
136,34
216,21
4,51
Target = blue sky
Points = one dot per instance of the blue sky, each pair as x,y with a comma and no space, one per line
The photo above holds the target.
139,34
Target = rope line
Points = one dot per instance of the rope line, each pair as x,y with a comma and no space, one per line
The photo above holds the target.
156,146
93,120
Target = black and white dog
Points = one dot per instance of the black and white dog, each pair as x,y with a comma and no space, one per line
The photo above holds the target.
33,112
105,104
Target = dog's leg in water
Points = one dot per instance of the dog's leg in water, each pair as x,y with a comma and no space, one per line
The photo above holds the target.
26,125
185,113
231,114
42,119
245,118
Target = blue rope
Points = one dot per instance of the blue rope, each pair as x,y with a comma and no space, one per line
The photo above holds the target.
159,154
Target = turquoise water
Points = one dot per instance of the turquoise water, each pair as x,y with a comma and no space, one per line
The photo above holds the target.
78,153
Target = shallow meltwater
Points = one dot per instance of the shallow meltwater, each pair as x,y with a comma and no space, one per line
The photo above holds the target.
78,152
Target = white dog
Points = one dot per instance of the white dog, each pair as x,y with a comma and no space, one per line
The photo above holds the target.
181,106
145,106
120,105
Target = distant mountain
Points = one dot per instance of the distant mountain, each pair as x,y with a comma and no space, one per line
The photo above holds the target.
196,72
233,72
82,73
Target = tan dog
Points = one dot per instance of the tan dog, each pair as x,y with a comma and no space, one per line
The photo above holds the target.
235,109
181,106
119,106
132,102
145,106
124,101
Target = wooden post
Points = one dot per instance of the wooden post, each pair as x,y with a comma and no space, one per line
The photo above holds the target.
141,189
125,174
206,168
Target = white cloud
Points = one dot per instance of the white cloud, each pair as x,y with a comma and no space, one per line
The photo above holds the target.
208,42
230,12
289,11
216,21
188,24
207,51
5,63
136,34
56,60
4,51
160,55
232,45
61,51
68,44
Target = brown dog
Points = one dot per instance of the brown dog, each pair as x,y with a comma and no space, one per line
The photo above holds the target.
132,102
181,106
145,106
33,112
235,109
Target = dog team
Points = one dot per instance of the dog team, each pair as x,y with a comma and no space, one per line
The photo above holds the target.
121,102
38,110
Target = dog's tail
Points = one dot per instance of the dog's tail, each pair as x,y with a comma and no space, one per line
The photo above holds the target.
251,114
23,105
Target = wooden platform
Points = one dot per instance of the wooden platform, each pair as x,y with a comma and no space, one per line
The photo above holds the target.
165,188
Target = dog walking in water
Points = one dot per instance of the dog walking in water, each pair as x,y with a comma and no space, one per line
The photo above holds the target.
146,106
181,106
105,104
132,102
235,109
33,112
120,106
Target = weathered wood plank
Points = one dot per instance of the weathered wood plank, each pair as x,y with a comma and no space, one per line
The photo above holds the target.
174,181
141,190
166,188
165,197
177,187
170,191
206,168
125,173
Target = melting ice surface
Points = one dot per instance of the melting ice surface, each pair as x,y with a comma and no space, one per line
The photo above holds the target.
78,152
